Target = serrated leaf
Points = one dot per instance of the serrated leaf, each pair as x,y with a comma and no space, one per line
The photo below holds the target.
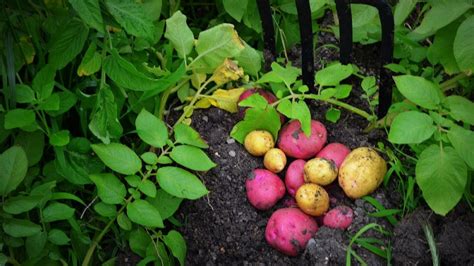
420,91
89,11
464,46
143,213
110,189
151,129
176,243
118,157
67,43
180,183
411,127
20,228
179,34
185,134
132,16
333,74
442,177
14,165
192,158
463,142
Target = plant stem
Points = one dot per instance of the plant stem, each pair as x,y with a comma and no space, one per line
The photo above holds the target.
166,95
193,101
451,83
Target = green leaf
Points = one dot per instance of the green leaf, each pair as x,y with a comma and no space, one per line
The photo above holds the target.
133,180
176,243
180,183
164,160
442,177
143,213
21,204
216,44
250,60
148,188
67,43
297,110
43,83
105,210
109,187
66,196
34,244
464,46
151,129
67,100
57,211
185,134
257,119
235,8
126,75
447,10
89,11
124,222
442,48
333,115
192,158
24,94
463,142
14,165
166,203
132,16
343,91
20,228
179,34
153,8
33,145
333,74
139,241
19,118
255,100
411,127
91,62
60,138
402,10
460,108
104,123
50,104
58,237
149,158
118,157
420,91
287,75
76,167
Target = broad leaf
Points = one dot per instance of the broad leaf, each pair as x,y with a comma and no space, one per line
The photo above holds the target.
180,183
236,8
463,142
118,157
420,91
104,123
43,83
411,127
333,74
34,244
464,46
250,60
89,11
132,16
151,129
105,210
257,118
24,94
148,188
442,48
297,110
223,99
60,138
333,115
20,228
58,237
287,75
461,108
185,134
143,213
124,222
13,165
402,10
90,63
109,188
442,177
21,204
67,100
57,211
179,34
176,243
166,203
19,118
192,158
67,43
33,145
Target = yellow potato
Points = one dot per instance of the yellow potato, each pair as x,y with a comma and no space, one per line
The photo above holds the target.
258,142
361,172
312,199
274,160
320,171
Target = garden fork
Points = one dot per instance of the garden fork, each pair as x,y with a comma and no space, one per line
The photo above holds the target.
345,29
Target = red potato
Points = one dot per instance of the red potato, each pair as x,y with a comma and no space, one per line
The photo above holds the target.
294,177
264,189
289,230
336,152
339,217
270,97
296,144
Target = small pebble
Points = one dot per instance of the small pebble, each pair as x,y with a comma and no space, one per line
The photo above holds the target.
232,153
205,118
230,141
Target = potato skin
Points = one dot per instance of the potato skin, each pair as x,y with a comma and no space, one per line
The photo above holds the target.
336,152
312,199
362,172
339,218
294,177
296,144
264,189
320,171
289,230
274,160
258,142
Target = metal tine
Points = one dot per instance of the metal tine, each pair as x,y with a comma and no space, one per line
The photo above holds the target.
306,36
386,53
269,51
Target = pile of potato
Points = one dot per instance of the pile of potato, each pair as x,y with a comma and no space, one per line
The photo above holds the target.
315,165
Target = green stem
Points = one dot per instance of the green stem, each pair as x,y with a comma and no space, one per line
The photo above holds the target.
193,101
451,83
167,93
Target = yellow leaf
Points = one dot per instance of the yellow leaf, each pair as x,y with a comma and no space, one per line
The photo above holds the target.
203,103
228,71
226,99
197,79
27,49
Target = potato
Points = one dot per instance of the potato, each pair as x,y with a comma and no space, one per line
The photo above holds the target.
264,189
336,152
296,144
258,142
320,171
361,172
340,217
274,160
312,199
294,177
289,230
